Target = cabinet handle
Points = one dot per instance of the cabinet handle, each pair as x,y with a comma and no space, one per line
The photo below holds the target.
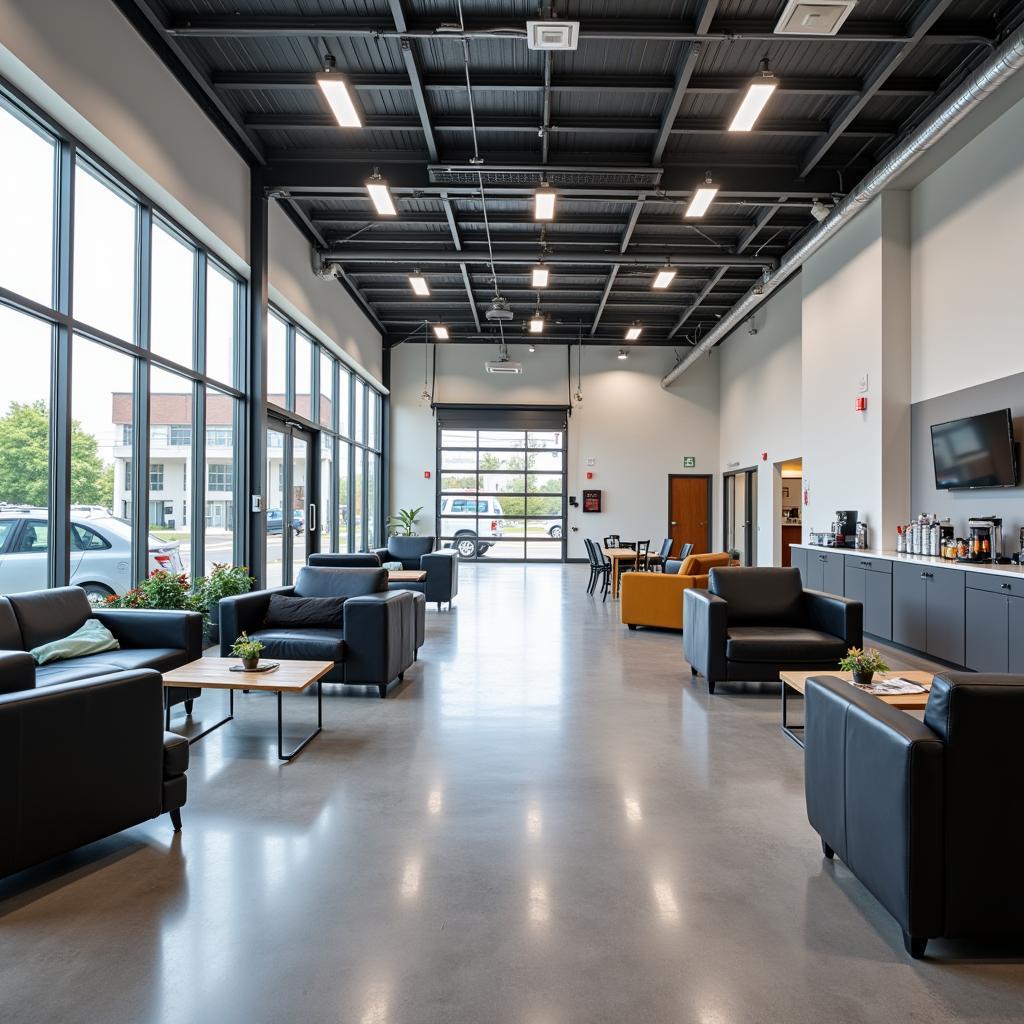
1005,586
867,565
926,576
822,558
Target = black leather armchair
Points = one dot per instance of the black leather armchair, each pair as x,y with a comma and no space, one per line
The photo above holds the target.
373,644
928,815
82,761
750,624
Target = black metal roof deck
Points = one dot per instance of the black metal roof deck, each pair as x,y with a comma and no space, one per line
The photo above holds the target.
624,128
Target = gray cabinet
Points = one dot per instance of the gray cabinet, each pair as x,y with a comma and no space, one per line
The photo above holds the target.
814,577
869,580
798,560
825,571
995,623
928,609
1015,655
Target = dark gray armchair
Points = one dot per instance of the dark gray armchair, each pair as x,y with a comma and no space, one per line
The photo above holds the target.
750,624
441,567
928,815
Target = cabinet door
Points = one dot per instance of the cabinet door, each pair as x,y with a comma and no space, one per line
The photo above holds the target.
987,642
1015,616
815,577
909,606
877,603
854,584
833,575
798,560
946,595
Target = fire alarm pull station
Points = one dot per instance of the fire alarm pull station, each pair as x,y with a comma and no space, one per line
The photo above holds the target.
426,474
590,476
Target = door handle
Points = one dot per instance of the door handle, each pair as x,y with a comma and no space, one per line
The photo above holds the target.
311,518
674,523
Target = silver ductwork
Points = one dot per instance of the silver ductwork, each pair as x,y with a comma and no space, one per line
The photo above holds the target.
1006,62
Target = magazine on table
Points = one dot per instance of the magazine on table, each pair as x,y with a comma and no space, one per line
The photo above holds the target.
891,687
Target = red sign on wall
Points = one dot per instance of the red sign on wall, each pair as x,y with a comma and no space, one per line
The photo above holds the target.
591,501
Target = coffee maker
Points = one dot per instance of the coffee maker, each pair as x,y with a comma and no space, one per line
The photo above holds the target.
985,543
846,528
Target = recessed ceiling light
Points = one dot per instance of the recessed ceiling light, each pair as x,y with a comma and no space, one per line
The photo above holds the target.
633,333
536,323
663,278
758,93
441,332
380,195
540,276
339,98
702,198
623,354
418,283
544,203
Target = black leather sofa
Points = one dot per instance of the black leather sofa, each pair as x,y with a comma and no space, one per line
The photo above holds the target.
376,640
752,623
441,567
928,815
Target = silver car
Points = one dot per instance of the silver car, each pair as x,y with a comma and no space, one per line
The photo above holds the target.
101,545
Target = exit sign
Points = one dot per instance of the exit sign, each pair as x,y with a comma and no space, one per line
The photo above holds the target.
689,461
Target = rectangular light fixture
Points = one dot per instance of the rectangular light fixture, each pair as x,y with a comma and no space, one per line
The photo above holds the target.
701,200
441,332
758,93
540,277
419,284
536,324
339,99
633,333
544,203
663,278
380,196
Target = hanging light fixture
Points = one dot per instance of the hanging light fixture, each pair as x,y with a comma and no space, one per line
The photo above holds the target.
380,195
702,197
540,276
622,354
632,333
578,397
531,348
759,92
336,91
425,394
418,283
536,323
441,332
544,203
664,277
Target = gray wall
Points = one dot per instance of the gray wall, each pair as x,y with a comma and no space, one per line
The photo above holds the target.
959,505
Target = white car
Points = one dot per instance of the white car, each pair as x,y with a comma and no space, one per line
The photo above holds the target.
101,545
466,539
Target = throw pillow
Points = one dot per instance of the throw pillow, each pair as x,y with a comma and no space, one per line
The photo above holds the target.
392,566
285,612
92,638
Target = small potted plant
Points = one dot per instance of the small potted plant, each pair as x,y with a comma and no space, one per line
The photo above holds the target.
248,650
863,664
404,524
734,556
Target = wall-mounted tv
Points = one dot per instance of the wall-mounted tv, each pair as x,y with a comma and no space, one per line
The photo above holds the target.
977,451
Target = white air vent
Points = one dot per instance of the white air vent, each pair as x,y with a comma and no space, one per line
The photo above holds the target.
502,366
821,19
552,35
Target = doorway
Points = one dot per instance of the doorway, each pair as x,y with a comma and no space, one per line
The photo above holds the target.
739,500
787,508
689,511
292,500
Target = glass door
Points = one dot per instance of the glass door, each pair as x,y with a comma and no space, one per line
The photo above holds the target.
292,505
740,528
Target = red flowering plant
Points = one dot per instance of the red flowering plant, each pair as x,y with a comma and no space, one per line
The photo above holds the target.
161,589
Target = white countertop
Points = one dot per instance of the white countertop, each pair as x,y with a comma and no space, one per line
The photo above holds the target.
942,563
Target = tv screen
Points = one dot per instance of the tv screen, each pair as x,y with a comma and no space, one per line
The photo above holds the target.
977,451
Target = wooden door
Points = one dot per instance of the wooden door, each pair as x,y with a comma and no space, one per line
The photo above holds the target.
689,512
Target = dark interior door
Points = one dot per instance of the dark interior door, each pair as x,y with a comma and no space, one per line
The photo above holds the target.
689,512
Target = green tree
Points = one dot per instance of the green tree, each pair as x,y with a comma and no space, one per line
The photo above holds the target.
24,460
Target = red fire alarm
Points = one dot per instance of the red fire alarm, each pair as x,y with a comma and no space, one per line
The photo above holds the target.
860,404
764,456
426,474
590,476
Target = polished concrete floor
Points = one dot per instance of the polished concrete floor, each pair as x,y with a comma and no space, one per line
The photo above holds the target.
549,822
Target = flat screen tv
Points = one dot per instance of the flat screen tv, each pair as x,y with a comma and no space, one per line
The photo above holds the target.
977,451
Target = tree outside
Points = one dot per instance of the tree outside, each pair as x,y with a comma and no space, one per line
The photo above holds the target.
25,460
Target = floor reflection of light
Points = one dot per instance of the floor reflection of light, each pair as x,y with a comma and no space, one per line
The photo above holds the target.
534,822
435,801
376,1011
666,901
633,810
411,878
540,909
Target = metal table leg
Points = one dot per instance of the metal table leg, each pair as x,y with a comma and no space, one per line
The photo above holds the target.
794,732
205,732
319,724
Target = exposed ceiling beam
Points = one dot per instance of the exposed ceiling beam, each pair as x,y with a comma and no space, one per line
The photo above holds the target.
683,73
924,19
412,69
470,295
546,110
453,228
798,85
692,308
762,220
426,257
472,224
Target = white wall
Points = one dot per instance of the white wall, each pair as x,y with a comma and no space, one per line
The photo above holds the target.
636,432
967,220
760,403
86,67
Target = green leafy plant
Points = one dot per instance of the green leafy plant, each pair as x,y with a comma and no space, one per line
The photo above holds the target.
161,589
404,523
734,554
246,649
863,663
223,581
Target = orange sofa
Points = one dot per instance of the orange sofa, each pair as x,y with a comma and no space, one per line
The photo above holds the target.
656,598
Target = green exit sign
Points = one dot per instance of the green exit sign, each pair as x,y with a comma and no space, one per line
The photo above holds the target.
689,461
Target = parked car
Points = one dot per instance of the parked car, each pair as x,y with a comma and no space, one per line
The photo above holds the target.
101,552
466,539
275,519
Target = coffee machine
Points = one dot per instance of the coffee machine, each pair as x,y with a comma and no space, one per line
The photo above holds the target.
985,543
846,528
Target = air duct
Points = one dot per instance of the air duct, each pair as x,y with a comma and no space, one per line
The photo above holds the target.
1008,60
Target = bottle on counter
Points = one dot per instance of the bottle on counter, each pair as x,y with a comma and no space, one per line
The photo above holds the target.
900,546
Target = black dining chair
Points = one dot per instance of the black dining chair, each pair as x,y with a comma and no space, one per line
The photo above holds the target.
643,556
602,569
657,562
595,563
612,541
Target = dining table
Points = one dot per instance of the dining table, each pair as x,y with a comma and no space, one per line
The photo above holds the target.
617,556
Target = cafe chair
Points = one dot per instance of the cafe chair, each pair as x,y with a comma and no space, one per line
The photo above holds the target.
600,568
673,565
657,562
613,541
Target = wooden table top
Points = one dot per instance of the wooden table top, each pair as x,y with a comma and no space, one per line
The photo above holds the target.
406,576
903,701
620,552
213,673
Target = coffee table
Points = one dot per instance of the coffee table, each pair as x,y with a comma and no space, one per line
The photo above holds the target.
288,677
406,576
904,701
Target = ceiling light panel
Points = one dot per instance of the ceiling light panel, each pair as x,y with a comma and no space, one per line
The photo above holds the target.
419,285
759,92
540,277
536,325
441,332
663,278
633,333
702,199
380,196
544,204
339,99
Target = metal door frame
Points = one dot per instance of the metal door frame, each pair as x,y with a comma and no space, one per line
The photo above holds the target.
749,511
290,429
709,477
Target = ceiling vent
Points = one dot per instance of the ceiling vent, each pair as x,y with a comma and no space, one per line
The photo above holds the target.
499,309
552,35
821,19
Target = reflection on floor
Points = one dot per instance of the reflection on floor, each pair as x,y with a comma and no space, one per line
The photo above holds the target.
548,822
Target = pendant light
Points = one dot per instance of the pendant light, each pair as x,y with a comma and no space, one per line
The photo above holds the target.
418,283
336,91
544,203
380,195
536,323
578,397
664,277
441,332
540,275
702,197
759,92
633,332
